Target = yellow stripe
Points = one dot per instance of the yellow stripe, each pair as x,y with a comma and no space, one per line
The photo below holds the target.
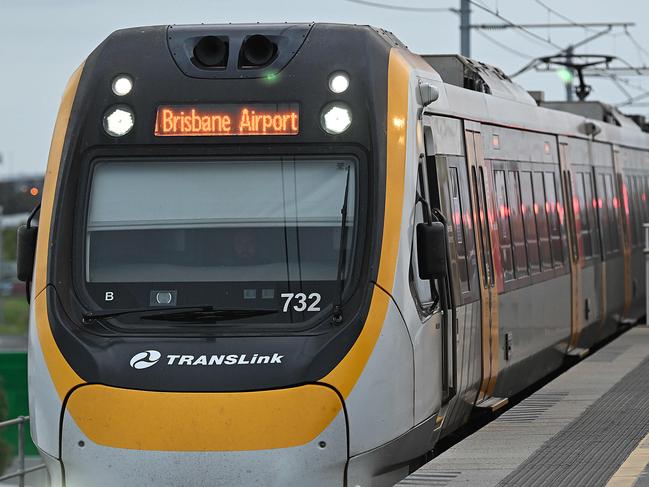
346,374
51,177
237,421
632,467
398,86
63,377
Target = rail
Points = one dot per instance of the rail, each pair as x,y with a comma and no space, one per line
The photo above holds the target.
22,471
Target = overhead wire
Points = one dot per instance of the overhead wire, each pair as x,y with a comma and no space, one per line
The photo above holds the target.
617,80
528,32
504,46
402,7
637,45
532,62
561,16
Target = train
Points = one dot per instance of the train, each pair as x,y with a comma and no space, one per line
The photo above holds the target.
301,254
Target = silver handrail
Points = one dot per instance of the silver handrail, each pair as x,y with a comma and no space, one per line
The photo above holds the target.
22,471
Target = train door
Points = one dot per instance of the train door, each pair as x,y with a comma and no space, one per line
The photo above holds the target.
481,189
624,228
575,252
567,183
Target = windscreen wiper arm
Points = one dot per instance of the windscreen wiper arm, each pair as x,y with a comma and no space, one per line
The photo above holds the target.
207,315
95,315
342,258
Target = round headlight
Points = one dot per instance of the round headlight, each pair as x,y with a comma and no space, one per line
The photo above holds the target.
336,118
338,82
122,85
118,121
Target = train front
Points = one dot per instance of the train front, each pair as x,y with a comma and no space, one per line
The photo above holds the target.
211,237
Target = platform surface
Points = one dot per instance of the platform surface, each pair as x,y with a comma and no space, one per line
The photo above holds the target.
588,427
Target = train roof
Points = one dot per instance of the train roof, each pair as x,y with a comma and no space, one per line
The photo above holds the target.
482,92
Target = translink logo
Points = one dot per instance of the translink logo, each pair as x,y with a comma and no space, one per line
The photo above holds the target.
148,358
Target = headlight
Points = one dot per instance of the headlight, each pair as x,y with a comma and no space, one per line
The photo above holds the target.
118,121
122,85
338,82
336,118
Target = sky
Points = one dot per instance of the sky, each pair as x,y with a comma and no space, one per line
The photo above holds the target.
43,41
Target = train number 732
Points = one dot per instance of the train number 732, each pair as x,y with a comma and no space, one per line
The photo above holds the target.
301,301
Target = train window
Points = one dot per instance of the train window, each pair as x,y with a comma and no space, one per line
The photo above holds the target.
250,229
504,231
516,222
636,218
602,208
628,206
459,232
542,220
580,207
483,226
555,219
529,223
590,204
612,205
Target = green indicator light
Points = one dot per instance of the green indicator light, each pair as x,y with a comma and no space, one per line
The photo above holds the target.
565,75
271,76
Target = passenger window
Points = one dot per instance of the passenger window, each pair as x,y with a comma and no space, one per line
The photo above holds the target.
628,205
555,219
504,231
542,221
580,207
485,235
612,205
636,208
529,223
459,220
602,210
516,222
590,203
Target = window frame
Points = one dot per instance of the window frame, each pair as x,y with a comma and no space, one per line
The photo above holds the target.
425,309
540,168
361,246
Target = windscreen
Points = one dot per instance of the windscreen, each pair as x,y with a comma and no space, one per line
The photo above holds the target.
234,233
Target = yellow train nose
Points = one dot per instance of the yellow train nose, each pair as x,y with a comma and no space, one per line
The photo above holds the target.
278,437
171,421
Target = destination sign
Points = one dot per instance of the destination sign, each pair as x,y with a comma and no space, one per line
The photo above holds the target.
228,119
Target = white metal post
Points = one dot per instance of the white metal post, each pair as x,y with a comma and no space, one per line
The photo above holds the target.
646,259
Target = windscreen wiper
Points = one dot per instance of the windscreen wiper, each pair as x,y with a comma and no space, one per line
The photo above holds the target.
207,315
95,315
342,259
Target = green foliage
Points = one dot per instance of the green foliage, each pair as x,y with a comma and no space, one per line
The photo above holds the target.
9,244
16,316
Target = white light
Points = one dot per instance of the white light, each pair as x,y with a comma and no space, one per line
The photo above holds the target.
122,85
336,118
118,121
338,82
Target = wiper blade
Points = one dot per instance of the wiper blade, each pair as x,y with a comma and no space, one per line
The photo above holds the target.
207,315
337,317
95,315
